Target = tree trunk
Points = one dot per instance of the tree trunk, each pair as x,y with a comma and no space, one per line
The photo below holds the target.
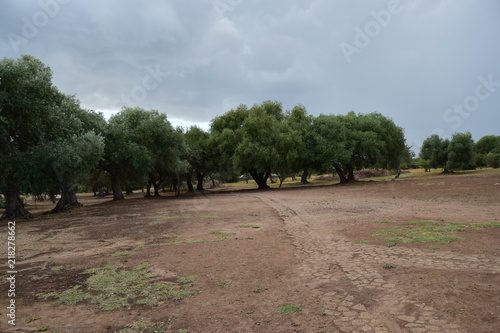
341,174
303,178
189,183
117,188
156,187
351,173
260,179
199,177
68,200
14,206
148,189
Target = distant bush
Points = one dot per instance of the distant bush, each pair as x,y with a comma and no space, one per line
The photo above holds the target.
2,203
493,160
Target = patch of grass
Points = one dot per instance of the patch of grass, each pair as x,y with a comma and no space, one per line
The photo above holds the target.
112,287
288,309
382,222
42,328
222,233
144,326
429,231
434,248
32,319
423,223
223,283
121,253
250,226
361,242
186,281
68,297
260,289
389,266
391,244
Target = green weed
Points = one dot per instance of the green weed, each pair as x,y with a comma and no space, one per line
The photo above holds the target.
144,326
32,319
222,233
250,226
260,289
223,283
429,231
114,287
288,309
121,253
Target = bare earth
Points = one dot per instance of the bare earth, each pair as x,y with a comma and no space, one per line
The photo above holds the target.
313,248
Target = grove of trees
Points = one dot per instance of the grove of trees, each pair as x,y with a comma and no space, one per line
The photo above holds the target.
460,153
50,145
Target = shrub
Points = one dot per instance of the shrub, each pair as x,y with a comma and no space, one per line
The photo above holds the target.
493,160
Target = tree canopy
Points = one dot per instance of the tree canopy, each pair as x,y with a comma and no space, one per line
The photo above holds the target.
50,145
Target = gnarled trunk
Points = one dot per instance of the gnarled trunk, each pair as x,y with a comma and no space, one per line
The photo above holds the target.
68,200
189,183
351,173
156,187
148,189
260,178
303,178
14,206
341,174
199,178
117,188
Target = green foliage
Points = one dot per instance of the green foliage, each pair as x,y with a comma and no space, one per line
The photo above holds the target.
142,146
113,287
460,152
223,283
355,141
429,231
46,138
487,144
288,309
435,150
145,326
493,160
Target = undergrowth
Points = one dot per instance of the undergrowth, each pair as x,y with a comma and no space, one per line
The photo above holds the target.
112,287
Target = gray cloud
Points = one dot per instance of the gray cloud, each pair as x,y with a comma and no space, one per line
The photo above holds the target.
195,60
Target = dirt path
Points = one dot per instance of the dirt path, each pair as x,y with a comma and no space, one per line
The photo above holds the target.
322,253
313,247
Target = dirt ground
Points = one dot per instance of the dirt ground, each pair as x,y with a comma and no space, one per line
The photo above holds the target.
252,252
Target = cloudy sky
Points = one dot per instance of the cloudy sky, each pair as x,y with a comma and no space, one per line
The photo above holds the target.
431,66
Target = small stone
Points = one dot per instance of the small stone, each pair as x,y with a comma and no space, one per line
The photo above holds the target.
409,319
359,307
437,322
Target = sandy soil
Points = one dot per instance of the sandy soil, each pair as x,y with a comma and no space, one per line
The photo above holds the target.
314,247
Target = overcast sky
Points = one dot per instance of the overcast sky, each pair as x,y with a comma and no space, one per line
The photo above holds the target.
431,66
